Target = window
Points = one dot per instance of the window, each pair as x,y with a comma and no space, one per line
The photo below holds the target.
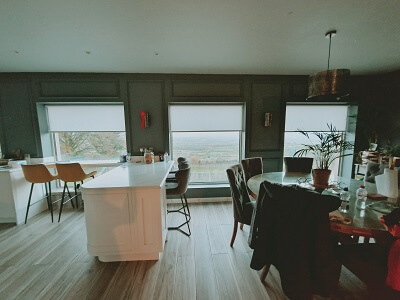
312,118
87,132
210,136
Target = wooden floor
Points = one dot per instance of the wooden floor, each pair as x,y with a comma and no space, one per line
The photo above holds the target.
42,260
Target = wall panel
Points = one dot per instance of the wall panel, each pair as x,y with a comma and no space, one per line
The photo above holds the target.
16,112
206,89
266,98
146,96
72,88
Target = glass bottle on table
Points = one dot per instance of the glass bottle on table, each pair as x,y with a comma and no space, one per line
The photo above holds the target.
345,198
361,194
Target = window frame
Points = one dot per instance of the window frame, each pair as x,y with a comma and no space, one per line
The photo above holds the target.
241,133
343,132
55,141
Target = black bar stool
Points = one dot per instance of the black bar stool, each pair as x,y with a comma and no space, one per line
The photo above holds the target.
181,166
179,188
39,174
71,172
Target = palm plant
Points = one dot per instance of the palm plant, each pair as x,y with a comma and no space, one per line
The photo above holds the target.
329,146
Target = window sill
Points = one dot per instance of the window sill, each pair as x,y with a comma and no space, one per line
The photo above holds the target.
208,186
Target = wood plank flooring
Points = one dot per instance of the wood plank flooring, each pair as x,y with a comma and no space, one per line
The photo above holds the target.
42,260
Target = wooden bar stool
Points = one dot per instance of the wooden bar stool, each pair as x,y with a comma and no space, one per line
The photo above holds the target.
39,174
71,172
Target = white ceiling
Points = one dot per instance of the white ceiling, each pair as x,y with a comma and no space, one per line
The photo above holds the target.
198,36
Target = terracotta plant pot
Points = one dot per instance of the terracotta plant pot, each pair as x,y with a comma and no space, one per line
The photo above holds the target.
321,178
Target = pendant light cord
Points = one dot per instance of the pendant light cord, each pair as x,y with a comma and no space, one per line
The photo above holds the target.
329,53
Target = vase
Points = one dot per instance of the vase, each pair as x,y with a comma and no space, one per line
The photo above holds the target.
321,178
387,183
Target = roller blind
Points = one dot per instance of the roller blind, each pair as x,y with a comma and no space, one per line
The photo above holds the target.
206,117
315,117
86,118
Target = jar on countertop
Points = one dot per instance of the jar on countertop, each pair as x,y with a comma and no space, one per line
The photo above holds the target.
148,157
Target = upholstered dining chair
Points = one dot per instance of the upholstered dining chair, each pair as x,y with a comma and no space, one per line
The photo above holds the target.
298,164
243,206
252,166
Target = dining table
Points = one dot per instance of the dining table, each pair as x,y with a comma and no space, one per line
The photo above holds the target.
359,222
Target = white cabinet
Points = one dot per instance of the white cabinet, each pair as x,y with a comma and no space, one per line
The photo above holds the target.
125,212
14,195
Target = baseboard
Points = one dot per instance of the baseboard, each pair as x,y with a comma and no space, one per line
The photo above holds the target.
58,194
201,200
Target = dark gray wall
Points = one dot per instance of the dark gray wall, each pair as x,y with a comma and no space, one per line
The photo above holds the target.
22,96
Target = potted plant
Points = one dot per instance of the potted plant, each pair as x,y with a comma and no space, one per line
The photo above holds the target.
392,152
329,146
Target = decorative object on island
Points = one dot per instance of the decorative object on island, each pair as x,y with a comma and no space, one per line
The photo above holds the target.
123,158
329,83
329,146
145,119
148,157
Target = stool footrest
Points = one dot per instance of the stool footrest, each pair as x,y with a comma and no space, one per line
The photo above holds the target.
179,211
178,228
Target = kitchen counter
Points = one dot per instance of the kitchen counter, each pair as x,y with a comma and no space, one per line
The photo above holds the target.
15,189
125,212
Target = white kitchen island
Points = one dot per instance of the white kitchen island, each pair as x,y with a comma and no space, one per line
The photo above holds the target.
125,212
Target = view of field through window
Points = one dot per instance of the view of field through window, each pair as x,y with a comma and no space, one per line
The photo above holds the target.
75,146
209,153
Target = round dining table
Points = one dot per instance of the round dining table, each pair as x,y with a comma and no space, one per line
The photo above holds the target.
362,222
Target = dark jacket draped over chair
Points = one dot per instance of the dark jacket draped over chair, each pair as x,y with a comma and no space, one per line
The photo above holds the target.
290,230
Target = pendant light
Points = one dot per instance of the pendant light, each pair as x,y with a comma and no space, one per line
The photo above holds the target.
330,84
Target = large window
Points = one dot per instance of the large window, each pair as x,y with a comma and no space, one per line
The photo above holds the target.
87,132
312,118
210,136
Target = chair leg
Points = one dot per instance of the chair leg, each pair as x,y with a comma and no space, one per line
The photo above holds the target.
264,273
47,195
187,217
62,202
241,226
50,202
235,227
29,203
76,195
70,196
187,205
